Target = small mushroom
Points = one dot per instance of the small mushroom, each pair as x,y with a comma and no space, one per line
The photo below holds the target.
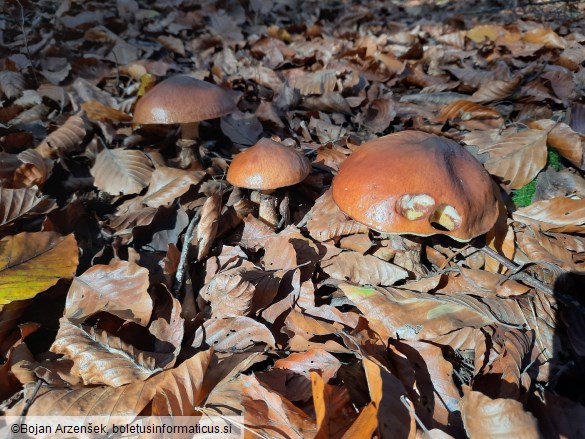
186,101
264,167
416,183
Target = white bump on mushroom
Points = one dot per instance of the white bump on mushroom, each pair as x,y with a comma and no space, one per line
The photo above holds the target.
414,207
446,216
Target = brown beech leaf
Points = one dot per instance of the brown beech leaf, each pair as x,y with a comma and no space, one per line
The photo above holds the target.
100,358
121,171
484,417
470,115
233,334
32,262
395,313
65,139
239,291
12,84
502,375
386,391
168,184
119,288
312,360
99,112
559,214
327,221
545,36
561,137
543,248
379,114
173,392
363,269
495,90
482,32
518,157
314,83
34,170
22,203
207,225
173,44
271,414
471,77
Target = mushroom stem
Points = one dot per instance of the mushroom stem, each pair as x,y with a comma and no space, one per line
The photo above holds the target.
190,131
268,209
188,147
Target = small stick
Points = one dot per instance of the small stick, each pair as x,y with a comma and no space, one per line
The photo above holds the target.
183,259
530,280
30,400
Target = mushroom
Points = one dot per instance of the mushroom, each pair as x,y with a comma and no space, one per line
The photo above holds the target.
264,167
416,183
183,100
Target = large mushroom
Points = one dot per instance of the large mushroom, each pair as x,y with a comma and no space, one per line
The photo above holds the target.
264,167
416,183
183,100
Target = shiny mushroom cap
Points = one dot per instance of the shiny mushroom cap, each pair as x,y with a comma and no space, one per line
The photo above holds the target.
416,183
268,165
182,99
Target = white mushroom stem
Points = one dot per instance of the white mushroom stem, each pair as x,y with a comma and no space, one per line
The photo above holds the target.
188,148
268,209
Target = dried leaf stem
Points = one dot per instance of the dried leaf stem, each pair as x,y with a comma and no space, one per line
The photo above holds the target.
531,280
183,259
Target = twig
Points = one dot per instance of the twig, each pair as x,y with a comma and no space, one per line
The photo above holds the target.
30,400
405,401
183,260
22,23
530,280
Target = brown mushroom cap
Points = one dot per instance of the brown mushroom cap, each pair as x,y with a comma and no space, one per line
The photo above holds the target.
416,183
182,99
268,165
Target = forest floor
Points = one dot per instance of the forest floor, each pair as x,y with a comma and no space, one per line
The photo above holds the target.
136,280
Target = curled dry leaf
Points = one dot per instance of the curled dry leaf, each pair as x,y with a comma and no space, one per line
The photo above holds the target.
312,360
462,110
100,358
98,112
168,184
558,214
35,169
239,291
407,315
207,225
363,269
386,392
12,84
32,262
233,334
173,392
545,36
561,137
271,414
173,44
327,221
65,139
22,203
121,171
518,157
484,417
495,90
119,288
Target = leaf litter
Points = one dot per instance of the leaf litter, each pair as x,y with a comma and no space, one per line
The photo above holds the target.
135,280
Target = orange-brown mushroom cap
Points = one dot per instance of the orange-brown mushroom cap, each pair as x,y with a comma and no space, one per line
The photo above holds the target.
416,183
182,99
268,165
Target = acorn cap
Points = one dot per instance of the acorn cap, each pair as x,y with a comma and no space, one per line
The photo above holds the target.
182,99
268,165
416,183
